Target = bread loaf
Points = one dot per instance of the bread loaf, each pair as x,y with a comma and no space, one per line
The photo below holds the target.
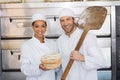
51,61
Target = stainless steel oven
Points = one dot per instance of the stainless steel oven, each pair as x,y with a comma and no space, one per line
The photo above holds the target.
15,29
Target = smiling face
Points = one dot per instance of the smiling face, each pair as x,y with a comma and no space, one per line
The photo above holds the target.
68,24
39,28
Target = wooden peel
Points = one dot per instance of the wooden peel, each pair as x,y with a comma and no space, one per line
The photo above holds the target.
91,18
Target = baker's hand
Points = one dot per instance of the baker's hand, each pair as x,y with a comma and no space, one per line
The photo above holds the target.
41,66
76,56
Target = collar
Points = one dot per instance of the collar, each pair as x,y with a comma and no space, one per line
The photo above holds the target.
77,30
36,40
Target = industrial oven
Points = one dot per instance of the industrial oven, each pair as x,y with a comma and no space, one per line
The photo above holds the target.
15,29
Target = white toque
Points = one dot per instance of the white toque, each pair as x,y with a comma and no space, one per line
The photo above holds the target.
38,16
66,12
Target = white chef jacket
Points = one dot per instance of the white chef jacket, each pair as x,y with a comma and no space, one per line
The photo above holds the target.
93,56
31,52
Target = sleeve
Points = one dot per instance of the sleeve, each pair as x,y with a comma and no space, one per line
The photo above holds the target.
59,72
55,46
52,44
58,45
26,67
94,58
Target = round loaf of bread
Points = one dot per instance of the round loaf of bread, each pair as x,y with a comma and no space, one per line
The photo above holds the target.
51,61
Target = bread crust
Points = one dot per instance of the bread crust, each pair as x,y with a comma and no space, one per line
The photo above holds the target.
51,61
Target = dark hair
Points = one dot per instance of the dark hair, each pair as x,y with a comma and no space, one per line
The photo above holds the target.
73,18
34,23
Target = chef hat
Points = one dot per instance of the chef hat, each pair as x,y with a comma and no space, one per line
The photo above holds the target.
66,12
38,16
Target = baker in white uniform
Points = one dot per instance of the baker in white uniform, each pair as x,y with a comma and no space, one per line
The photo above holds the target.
88,59
33,49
